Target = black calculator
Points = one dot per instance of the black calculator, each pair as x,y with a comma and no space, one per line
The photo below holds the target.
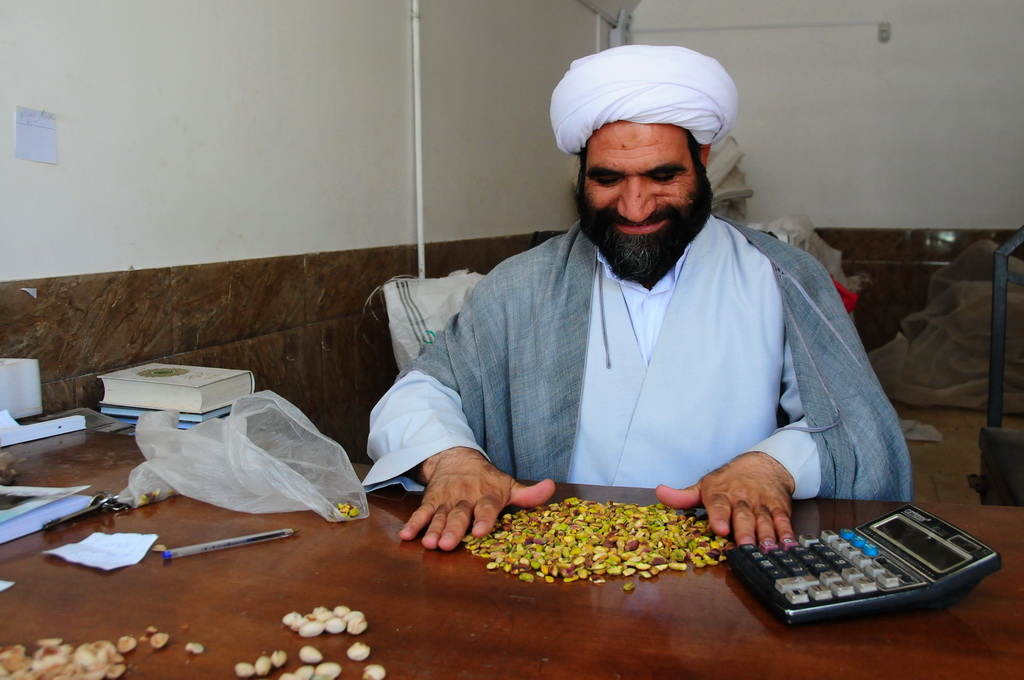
906,559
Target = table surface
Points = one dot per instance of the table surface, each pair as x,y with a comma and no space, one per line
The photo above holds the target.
443,615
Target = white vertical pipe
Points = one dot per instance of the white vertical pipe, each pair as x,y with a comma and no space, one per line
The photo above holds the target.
418,140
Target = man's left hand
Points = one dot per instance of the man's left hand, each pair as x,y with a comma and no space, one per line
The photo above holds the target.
752,495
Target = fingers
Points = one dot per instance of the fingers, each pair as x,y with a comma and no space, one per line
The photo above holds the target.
749,498
465,492
530,496
751,522
682,499
727,514
447,527
783,524
722,515
420,518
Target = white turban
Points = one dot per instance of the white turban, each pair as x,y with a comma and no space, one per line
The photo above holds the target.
643,84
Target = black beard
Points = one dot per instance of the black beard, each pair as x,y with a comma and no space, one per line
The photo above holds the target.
645,258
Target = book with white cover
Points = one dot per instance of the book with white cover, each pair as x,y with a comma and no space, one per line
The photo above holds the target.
25,509
195,389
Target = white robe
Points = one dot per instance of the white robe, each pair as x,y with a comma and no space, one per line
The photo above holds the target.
670,354
419,417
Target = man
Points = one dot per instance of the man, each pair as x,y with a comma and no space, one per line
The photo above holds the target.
653,345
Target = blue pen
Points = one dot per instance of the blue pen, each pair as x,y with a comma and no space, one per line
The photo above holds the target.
227,543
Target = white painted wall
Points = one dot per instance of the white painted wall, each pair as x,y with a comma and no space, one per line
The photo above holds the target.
924,131
491,166
195,131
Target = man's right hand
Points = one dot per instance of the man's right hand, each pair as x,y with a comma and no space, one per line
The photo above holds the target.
463,488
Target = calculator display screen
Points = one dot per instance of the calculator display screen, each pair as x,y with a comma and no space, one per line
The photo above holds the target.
922,544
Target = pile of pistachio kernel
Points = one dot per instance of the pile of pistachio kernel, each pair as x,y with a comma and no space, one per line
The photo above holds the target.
579,540
348,510
154,495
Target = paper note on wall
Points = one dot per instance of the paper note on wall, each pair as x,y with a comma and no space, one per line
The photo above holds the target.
35,136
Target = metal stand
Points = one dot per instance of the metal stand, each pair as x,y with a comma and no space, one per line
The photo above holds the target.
1001,478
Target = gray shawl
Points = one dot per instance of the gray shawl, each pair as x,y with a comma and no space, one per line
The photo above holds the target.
516,355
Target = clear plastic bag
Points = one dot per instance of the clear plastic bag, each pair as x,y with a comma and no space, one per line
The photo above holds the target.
265,456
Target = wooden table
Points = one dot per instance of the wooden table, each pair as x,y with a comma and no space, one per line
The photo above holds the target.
443,615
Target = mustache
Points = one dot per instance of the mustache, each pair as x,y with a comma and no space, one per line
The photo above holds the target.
612,216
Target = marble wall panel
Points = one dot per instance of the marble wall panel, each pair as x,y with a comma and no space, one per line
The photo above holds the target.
88,390
898,264
478,255
895,290
906,245
82,324
216,304
340,283
342,408
60,395
359,367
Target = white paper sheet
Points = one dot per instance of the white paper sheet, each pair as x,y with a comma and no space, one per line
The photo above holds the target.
107,551
35,136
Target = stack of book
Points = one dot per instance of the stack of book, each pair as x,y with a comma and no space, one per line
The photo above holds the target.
197,393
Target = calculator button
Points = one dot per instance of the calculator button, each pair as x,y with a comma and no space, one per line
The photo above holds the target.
850,553
863,585
846,534
807,540
905,578
794,583
819,593
850,573
827,536
858,541
827,578
870,549
768,545
818,567
788,543
797,596
841,589
872,569
886,579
